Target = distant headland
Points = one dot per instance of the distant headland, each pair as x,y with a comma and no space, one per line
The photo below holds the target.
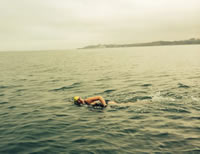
191,41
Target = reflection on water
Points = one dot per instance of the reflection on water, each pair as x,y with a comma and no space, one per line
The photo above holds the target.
157,90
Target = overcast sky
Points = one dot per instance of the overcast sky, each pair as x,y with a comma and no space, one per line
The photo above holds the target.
64,24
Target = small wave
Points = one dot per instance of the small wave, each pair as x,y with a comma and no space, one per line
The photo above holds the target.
61,115
3,87
174,117
138,117
3,102
180,85
162,135
129,131
194,118
63,88
146,85
20,90
109,91
74,85
11,107
104,79
80,140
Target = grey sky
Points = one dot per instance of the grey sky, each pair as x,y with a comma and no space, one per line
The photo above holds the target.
63,24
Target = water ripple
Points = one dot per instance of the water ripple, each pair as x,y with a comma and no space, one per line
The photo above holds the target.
74,85
180,85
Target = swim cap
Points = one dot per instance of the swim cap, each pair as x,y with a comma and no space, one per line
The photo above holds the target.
76,98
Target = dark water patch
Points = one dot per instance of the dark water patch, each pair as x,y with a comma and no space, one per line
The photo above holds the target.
146,85
129,131
178,97
180,85
138,117
191,139
81,140
2,95
12,107
3,103
196,108
162,135
116,134
61,115
3,87
24,113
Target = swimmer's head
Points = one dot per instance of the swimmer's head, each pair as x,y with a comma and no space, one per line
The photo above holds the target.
77,100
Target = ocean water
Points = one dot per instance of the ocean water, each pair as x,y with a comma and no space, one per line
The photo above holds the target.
157,90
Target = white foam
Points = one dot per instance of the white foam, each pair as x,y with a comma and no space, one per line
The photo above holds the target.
158,98
194,98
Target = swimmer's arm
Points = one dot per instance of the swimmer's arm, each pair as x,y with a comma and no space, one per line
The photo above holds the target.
92,100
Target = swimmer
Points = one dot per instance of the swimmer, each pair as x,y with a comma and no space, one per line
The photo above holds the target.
94,101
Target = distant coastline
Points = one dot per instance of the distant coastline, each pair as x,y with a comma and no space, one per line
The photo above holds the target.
191,41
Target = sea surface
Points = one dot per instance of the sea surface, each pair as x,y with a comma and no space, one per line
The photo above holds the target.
157,90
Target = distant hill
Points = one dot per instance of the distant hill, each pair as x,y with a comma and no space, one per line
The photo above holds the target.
157,43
